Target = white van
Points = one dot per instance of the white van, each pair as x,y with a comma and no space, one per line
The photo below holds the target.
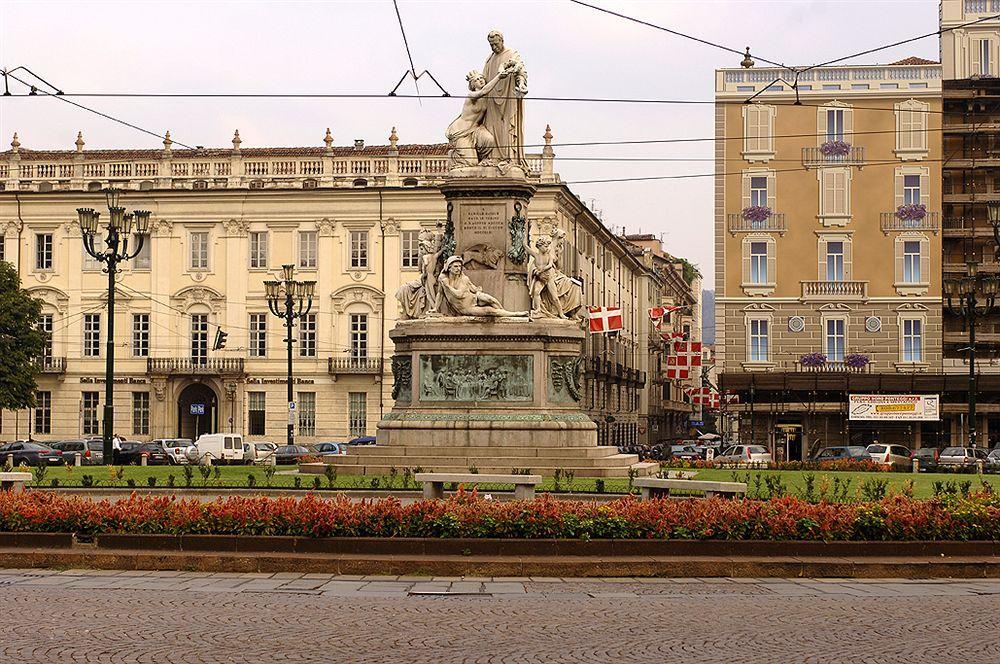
220,448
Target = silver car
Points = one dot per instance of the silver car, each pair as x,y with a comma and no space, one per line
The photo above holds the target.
961,457
745,455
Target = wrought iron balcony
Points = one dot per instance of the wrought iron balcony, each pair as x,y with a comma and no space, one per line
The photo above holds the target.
51,365
834,367
815,157
774,224
189,366
834,290
891,222
354,365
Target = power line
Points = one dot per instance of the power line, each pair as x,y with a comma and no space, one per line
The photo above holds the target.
406,45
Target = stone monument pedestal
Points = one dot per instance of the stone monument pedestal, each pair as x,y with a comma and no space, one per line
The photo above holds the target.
494,394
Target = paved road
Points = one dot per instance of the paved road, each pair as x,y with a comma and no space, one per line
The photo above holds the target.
110,616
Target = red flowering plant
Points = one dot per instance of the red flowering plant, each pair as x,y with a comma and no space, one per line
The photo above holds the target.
973,517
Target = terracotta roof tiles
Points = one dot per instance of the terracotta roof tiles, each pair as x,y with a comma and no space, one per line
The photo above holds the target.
431,150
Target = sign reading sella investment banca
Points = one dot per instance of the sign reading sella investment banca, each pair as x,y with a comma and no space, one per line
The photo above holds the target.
900,407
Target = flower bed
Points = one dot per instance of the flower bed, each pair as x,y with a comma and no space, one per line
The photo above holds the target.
976,517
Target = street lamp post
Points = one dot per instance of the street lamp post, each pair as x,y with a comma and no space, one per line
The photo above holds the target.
119,230
289,299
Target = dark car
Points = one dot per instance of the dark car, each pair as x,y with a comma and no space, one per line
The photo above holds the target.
927,457
289,454
91,451
132,454
687,452
362,440
31,454
855,453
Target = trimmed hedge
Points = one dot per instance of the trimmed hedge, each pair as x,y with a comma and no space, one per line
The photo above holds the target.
976,517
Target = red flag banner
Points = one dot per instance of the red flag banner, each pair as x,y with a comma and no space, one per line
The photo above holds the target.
605,319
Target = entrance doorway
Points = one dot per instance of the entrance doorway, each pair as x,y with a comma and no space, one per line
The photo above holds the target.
197,411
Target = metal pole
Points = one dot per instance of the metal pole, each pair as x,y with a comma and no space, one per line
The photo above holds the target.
109,367
972,370
288,341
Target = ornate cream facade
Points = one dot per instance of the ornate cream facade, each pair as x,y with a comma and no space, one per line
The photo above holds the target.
224,221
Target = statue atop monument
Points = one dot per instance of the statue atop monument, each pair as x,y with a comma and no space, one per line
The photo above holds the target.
417,298
553,294
458,296
489,132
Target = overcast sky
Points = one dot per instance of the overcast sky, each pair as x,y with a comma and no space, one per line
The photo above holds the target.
337,47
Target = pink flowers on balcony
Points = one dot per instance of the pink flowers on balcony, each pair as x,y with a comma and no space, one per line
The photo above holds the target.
757,214
813,360
912,212
857,360
835,148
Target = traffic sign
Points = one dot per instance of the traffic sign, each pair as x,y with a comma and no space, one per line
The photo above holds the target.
197,409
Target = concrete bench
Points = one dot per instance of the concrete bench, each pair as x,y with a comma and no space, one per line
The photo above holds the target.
14,481
524,485
655,487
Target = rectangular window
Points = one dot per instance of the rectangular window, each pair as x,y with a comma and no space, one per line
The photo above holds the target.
43,251
258,335
409,243
90,264
836,339
911,262
43,412
359,249
144,260
359,336
307,335
307,413
835,124
255,411
758,190
90,402
140,413
140,335
258,250
92,335
758,262
834,193
759,345
911,190
46,326
758,129
3,249
358,413
913,340
307,249
834,261
199,338
198,259
984,58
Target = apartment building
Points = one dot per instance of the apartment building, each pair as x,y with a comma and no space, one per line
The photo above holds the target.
828,246
223,222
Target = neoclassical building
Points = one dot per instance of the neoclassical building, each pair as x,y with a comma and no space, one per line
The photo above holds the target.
226,220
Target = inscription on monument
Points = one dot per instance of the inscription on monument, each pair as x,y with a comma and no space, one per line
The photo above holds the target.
476,378
482,223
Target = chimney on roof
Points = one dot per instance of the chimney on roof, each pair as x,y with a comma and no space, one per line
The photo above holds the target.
79,141
359,144
15,145
236,141
328,139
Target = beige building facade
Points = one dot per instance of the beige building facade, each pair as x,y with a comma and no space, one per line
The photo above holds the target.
223,222
828,244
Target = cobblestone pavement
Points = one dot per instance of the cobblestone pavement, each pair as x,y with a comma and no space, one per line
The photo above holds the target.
126,616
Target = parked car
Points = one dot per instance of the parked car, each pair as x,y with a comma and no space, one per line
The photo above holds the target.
289,454
745,455
328,448
852,452
177,449
362,440
927,457
220,448
961,457
993,460
32,454
895,456
155,455
91,451
687,452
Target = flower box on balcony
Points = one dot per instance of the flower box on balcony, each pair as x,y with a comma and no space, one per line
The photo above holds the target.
813,360
912,212
757,214
836,148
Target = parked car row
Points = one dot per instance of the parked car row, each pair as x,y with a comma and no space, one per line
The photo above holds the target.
930,459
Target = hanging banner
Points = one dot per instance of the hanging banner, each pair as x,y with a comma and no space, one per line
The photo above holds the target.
913,407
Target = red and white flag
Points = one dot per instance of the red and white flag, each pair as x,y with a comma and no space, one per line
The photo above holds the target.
658,314
605,319
677,368
671,336
690,350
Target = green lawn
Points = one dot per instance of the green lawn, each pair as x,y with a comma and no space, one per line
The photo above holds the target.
832,485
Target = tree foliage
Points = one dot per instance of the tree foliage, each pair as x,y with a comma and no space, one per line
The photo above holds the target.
21,342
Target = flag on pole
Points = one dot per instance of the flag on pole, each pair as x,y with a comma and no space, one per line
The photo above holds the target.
677,368
690,350
605,319
671,335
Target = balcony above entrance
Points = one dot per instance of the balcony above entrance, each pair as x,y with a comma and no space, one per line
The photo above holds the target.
215,366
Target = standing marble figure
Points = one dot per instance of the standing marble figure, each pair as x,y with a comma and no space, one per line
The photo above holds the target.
505,104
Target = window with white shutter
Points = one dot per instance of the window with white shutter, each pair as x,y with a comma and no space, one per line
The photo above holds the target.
912,263
834,122
911,339
758,132
759,264
835,196
834,254
911,129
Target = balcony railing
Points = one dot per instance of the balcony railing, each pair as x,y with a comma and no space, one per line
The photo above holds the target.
355,365
839,290
834,367
187,365
815,157
775,224
891,222
51,365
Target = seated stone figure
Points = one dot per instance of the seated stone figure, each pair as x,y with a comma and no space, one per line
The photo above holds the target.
417,298
458,296
471,142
